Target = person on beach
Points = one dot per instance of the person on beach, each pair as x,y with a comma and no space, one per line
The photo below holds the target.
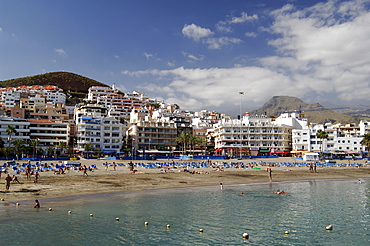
37,204
15,179
8,179
269,173
28,171
85,171
114,166
37,176
106,166
221,186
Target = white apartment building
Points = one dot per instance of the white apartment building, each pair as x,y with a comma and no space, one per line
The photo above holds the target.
48,133
21,127
9,98
151,135
255,135
96,128
342,139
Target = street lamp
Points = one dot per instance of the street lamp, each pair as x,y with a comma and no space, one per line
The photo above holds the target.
241,93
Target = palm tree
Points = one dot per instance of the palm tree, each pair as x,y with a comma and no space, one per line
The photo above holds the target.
34,143
202,142
6,150
88,147
19,146
184,140
322,135
1,143
10,130
366,141
50,151
62,146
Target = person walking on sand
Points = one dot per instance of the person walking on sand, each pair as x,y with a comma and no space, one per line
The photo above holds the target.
269,173
114,166
37,176
8,179
85,171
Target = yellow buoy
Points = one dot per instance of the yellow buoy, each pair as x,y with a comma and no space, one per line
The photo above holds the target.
91,215
17,204
50,209
69,212
146,223
286,232
245,235
168,226
117,219
200,230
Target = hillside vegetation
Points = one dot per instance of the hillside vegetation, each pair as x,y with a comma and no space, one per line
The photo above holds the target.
315,112
65,80
74,85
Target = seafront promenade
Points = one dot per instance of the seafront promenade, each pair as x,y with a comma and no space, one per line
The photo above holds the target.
149,175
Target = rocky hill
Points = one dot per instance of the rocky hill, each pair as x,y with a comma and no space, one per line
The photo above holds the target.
313,112
75,85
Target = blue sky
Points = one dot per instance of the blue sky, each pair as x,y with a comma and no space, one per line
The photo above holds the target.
196,53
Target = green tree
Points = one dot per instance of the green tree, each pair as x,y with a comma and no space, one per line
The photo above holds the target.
50,151
62,146
19,147
201,142
10,130
34,143
184,140
366,141
322,135
7,150
1,143
89,147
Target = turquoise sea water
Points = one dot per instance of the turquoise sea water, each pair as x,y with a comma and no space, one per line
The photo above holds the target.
305,210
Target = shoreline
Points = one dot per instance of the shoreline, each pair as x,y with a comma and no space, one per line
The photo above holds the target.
101,181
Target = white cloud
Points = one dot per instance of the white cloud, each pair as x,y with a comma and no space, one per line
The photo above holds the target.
319,55
331,41
250,34
1,30
243,18
170,64
217,43
61,52
148,56
117,57
196,32
193,58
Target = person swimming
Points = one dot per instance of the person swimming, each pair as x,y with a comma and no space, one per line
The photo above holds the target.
37,204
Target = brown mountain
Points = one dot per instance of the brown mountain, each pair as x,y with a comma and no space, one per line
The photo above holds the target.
315,112
76,86
65,80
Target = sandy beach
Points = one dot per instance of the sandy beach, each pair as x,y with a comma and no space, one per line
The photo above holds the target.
74,183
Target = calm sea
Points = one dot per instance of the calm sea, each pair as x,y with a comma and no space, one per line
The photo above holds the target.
304,210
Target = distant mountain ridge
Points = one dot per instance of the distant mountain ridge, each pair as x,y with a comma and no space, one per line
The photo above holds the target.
315,112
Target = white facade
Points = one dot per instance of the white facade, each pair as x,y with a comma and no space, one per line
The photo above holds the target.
96,128
258,134
21,126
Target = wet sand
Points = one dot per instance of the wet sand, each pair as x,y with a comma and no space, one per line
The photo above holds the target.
100,181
